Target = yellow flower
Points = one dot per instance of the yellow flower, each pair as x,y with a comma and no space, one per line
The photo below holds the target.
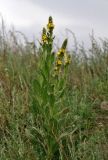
61,52
44,38
67,59
57,71
56,68
50,26
58,62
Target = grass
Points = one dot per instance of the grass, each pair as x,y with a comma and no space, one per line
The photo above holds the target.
48,114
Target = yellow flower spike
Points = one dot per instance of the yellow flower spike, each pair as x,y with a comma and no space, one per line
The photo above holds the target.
44,36
62,51
50,25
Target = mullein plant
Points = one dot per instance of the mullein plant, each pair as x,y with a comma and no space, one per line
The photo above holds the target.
47,93
46,45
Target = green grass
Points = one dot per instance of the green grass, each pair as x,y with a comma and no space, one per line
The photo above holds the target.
43,117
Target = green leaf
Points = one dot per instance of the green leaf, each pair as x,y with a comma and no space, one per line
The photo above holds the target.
61,93
35,107
61,84
51,99
46,70
36,86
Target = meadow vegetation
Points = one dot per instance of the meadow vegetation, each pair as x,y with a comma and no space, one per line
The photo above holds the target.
50,101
